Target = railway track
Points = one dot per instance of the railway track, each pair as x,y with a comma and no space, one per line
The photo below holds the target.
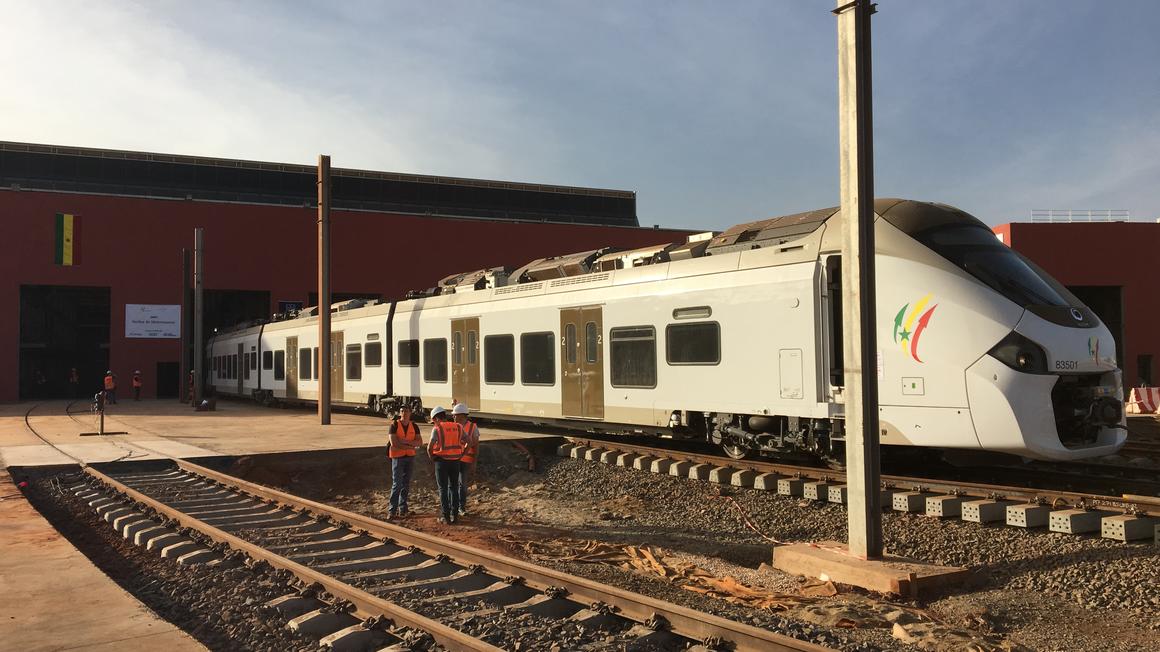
386,583
1124,517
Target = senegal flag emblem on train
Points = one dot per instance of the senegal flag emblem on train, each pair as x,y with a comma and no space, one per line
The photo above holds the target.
909,326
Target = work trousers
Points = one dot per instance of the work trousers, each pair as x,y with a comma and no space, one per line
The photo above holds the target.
447,477
111,395
401,482
136,393
466,471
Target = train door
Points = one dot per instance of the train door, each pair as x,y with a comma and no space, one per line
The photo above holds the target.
237,361
834,358
291,367
337,366
465,361
582,362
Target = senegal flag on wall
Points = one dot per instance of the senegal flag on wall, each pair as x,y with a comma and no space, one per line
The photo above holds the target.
68,245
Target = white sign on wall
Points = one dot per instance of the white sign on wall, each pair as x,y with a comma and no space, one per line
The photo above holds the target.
152,321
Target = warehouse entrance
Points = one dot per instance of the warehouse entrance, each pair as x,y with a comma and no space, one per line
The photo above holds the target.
63,327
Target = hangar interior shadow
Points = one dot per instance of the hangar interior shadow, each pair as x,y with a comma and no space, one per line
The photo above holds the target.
62,327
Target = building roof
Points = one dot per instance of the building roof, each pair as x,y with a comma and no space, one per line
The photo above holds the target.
27,166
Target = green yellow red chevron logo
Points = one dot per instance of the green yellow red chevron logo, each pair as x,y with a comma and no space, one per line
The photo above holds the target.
904,323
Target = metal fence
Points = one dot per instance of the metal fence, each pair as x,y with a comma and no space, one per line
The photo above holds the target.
1070,215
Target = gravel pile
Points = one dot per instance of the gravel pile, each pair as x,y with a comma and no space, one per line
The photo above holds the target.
221,608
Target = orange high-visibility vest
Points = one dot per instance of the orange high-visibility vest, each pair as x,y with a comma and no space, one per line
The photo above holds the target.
447,441
470,442
110,383
409,435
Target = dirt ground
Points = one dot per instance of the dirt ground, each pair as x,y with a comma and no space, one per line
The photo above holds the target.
535,507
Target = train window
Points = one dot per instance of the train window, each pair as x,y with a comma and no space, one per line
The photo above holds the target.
216,366
373,354
354,361
499,359
591,342
435,360
304,364
316,363
233,367
279,365
570,343
408,353
538,358
267,360
976,250
633,356
246,366
472,347
253,359
456,348
693,344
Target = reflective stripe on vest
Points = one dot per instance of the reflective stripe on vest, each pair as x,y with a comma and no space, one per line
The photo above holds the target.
470,441
408,435
447,441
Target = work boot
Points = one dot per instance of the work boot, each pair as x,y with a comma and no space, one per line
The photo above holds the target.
392,515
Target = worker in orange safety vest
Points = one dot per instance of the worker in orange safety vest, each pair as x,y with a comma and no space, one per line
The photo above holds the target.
110,387
446,449
137,385
470,451
405,441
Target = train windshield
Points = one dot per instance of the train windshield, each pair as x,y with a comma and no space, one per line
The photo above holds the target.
978,252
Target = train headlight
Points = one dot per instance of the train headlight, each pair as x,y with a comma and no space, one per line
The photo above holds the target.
1021,354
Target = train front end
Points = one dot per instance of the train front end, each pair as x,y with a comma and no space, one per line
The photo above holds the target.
1045,384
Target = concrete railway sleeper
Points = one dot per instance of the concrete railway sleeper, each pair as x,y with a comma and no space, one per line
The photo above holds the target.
1122,518
387,582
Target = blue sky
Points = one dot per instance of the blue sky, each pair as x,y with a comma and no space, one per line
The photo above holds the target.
714,112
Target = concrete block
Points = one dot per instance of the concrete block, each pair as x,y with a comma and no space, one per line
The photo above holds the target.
626,459
321,623
886,499
1076,521
816,490
578,452
113,514
680,469
130,530
121,521
722,475
565,450
743,478
1127,527
593,454
700,471
175,550
944,506
643,463
108,507
143,537
838,494
1028,515
101,502
660,465
355,638
790,486
985,511
203,556
292,606
766,481
165,539
910,501
608,457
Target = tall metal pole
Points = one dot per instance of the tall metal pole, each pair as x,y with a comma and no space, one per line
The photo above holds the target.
324,353
198,315
183,366
856,147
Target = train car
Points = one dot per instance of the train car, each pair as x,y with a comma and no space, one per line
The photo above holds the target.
734,337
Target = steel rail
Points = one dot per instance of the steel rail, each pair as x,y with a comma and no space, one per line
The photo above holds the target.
366,604
696,625
1124,502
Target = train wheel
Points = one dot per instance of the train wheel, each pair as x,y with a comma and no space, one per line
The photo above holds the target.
735,451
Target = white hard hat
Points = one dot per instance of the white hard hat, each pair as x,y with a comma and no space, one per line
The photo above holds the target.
437,411
460,408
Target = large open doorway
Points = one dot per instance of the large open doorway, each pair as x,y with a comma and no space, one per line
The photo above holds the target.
61,328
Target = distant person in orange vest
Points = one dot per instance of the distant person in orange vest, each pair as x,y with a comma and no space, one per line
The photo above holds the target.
446,449
137,385
470,451
405,441
110,387
74,382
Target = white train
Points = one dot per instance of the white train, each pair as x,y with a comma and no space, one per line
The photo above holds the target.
735,338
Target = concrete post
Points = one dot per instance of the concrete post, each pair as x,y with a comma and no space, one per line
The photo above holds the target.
324,352
856,157
198,315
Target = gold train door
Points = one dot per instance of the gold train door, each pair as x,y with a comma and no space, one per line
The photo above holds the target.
465,361
582,362
337,366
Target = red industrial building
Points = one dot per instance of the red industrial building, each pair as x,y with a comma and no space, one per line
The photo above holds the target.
1110,266
132,213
